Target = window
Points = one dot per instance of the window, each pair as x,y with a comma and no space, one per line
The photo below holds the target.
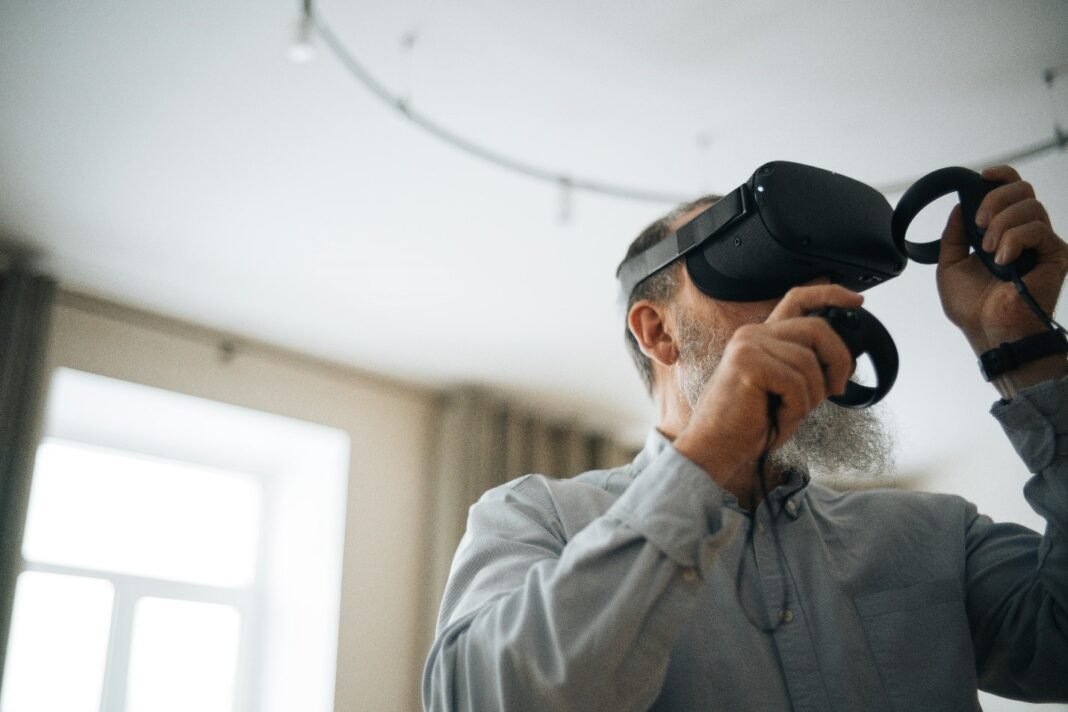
50,608
178,554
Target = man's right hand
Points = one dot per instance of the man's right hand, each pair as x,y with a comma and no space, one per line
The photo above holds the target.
798,358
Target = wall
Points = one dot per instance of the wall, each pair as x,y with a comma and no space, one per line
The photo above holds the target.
389,425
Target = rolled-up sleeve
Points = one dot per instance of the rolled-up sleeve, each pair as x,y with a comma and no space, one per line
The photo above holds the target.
534,619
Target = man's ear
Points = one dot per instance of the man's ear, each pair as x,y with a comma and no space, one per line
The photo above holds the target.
648,323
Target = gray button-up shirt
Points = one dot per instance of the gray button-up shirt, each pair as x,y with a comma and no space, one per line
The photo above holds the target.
618,590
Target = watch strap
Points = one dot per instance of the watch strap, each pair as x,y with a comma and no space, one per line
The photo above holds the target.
1011,355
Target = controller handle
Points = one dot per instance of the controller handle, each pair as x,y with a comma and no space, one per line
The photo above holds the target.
863,333
971,188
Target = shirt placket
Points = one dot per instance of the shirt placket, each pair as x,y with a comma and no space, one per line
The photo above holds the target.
795,645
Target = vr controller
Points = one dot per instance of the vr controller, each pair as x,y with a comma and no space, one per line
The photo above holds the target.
971,188
863,334
791,223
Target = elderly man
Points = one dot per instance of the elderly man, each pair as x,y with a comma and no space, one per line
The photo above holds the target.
684,582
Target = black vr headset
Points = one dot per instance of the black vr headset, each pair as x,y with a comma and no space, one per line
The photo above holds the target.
787,225
791,223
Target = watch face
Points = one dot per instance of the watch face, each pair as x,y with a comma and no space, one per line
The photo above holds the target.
982,369
991,364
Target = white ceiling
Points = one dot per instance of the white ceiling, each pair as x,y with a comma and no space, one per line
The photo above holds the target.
169,156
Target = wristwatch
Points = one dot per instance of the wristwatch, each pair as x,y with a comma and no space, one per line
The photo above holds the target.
1011,355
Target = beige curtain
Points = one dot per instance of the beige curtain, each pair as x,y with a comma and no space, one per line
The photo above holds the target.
483,441
25,312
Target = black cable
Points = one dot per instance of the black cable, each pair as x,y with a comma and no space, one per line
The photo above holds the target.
566,182
774,401
1045,318
474,149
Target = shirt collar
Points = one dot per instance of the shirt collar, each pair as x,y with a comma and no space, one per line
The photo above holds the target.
790,495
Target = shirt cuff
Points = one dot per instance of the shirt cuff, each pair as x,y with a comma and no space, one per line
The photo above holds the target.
675,504
1036,422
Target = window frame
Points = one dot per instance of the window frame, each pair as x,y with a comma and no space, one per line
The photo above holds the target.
363,633
301,469
128,590
248,600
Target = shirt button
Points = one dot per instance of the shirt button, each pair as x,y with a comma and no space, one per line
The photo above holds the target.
786,615
689,575
791,507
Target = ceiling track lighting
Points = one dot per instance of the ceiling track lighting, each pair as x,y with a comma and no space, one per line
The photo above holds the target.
303,50
1050,76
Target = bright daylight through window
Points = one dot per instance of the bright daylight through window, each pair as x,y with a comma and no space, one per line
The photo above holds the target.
105,528
179,554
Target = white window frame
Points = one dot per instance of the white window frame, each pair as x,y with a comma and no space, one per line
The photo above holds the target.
128,590
295,458
380,614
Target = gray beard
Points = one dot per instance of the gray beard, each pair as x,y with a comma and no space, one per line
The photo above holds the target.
832,443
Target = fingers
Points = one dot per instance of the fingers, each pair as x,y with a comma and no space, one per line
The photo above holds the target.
815,337
1014,221
1001,174
1005,226
807,358
801,301
795,401
777,365
1001,198
1034,234
765,368
1012,217
793,356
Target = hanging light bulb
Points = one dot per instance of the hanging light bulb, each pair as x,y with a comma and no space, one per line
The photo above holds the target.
566,204
302,50
1057,107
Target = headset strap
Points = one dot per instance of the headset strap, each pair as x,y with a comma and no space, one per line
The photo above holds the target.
643,265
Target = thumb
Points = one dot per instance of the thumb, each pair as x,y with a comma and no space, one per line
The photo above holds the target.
955,246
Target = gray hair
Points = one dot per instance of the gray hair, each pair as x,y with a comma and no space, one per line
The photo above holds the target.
659,288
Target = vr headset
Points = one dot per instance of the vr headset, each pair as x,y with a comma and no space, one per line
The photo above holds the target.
787,225
791,223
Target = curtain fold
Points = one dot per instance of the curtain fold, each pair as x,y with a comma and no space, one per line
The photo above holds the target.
25,313
482,441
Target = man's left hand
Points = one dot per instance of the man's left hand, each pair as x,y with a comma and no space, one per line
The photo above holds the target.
988,310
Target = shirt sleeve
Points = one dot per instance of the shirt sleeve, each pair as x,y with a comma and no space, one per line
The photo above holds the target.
1018,579
531,621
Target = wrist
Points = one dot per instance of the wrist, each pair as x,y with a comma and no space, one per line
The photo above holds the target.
982,341
1048,368
725,469
1014,361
